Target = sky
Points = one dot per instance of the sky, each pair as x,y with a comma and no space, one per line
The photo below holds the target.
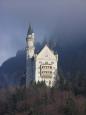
67,17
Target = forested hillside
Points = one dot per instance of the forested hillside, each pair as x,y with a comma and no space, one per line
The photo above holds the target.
71,64
41,100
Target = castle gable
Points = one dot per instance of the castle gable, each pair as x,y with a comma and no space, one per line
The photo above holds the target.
46,53
41,66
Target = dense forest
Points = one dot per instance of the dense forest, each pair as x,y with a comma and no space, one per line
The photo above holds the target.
71,63
41,100
67,97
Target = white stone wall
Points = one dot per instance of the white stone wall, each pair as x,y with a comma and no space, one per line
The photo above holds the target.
30,46
54,71
46,58
50,60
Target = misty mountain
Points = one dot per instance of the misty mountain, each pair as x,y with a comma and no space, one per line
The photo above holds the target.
12,71
72,60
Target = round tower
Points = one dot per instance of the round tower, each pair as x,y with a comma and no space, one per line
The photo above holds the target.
30,48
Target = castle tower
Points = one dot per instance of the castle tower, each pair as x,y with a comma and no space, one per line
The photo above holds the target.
30,43
30,48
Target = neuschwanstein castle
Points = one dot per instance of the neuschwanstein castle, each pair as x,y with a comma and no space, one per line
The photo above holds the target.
42,66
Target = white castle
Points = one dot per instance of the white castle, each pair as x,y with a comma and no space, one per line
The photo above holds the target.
41,66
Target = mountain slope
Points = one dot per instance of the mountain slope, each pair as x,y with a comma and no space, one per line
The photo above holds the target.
72,60
12,70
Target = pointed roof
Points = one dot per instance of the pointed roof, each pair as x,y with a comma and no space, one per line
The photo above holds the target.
30,31
46,53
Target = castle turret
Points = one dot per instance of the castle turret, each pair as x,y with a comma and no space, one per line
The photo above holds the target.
30,43
30,48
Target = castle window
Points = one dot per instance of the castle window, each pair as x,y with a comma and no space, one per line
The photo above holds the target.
45,71
50,71
50,67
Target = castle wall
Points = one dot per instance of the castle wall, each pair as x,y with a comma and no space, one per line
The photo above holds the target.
40,67
46,67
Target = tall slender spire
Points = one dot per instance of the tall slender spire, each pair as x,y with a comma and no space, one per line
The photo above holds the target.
30,31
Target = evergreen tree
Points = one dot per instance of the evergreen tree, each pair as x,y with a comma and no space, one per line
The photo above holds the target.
70,108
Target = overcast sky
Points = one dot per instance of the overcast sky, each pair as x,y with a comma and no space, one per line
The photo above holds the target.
67,16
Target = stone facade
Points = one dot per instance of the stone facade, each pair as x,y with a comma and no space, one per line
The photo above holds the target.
41,66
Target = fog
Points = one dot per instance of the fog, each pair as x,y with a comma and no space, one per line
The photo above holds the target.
64,18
